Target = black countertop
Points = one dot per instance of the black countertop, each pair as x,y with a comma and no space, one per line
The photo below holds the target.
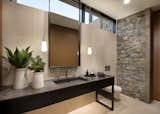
8,93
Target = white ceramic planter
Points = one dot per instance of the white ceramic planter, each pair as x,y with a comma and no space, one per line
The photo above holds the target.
20,81
38,80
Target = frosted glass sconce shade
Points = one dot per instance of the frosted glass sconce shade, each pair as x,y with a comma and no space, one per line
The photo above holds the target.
89,51
126,1
44,46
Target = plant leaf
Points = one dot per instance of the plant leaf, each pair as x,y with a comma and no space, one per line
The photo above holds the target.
20,58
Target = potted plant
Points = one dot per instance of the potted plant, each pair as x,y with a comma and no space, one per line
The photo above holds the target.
37,65
20,59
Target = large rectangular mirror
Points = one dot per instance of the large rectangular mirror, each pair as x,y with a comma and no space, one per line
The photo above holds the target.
64,37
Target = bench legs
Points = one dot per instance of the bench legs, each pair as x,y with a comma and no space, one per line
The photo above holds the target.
106,95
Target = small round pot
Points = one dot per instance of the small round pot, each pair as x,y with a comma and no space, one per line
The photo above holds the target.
20,81
38,80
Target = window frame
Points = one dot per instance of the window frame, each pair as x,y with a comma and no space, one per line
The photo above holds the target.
86,8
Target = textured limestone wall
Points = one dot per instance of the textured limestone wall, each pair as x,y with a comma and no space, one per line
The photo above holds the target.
133,34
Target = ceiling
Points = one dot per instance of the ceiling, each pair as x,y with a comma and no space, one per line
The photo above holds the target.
116,8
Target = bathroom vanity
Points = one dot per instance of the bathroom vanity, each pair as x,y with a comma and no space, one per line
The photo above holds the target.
20,101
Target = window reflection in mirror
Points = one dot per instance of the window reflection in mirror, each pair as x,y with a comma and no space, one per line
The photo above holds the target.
65,8
64,34
39,4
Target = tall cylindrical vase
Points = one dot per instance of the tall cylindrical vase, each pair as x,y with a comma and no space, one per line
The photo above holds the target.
20,81
38,80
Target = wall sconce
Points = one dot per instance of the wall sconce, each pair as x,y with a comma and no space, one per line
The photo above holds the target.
89,51
126,1
44,46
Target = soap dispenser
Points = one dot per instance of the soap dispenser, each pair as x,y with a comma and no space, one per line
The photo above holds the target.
87,73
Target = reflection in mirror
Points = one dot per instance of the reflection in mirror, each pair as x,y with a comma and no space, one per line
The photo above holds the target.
63,34
38,4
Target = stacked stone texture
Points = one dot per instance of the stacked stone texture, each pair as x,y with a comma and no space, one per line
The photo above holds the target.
131,42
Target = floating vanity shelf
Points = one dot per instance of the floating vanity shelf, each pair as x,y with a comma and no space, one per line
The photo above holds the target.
20,101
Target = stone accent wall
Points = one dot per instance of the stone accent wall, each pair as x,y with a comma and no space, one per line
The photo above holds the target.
133,53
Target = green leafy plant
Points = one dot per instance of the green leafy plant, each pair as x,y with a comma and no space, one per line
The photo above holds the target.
37,64
19,58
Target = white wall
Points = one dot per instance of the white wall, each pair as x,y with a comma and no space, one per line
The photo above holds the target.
23,26
104,49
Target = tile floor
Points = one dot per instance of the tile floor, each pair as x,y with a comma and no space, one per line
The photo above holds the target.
127,105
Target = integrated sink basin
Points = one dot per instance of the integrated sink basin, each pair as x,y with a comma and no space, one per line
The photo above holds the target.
70,79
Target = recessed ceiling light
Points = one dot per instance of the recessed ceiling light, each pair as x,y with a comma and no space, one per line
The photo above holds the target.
126,1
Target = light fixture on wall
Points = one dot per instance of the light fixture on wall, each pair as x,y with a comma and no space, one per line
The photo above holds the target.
126,1
89,51
44,46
